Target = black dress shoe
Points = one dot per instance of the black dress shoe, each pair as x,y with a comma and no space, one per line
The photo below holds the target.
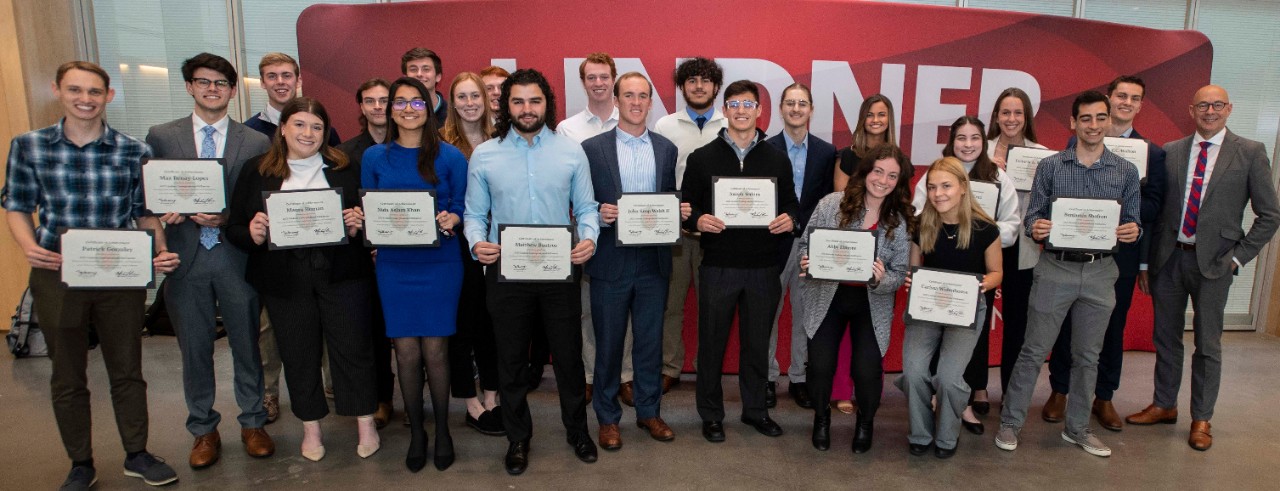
585,449
800,393
917,450
822,431
713,431
489,423
443,462
771,395
766,426
943,453
975,428
517,457
862,434
981,407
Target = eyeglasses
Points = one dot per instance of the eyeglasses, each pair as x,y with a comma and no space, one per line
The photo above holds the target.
795,103
748,105
204,83
1217,106
416,104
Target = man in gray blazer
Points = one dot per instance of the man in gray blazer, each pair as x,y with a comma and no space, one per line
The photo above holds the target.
629,282
211,278
1197,247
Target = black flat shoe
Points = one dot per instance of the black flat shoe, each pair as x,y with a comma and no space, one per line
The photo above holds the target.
944,453
800,393
766,425
713,431
443,461
585,449
917,450
517,459
416,459
822,431
489,423
975,428
771,395
981,407
862,434
444,452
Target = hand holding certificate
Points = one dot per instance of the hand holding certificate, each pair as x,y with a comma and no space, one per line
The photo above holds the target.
646,219
185,187
1132,149
745,201
305,218
535,253
842,255
944,297
107,258
1083,224
400,218
1021,165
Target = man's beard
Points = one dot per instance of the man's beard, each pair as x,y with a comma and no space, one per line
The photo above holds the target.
532,128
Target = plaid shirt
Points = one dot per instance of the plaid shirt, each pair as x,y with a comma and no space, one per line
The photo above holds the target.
97,185
1062,175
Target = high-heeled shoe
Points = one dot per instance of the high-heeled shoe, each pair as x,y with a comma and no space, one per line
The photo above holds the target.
821,431
862,434
416,459
367,450
444,459
316,453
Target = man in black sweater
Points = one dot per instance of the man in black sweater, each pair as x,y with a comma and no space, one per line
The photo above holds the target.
739,271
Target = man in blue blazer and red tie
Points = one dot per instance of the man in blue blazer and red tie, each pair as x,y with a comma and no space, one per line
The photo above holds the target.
629,282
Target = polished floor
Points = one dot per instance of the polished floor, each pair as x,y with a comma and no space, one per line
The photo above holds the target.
1244,456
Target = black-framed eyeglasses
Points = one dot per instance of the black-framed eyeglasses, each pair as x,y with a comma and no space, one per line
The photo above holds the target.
204,83
416,104
1217,106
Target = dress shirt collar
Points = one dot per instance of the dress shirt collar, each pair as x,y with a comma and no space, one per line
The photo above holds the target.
742,152
219,126
591,117
1127,133
108,136
628,138
1216,139
693,115
802,145
517,140
271,115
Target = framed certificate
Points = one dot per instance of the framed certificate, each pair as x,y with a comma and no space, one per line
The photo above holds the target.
1021,165
107,258
1083,224
304,218
1132,149
842,255
646,219
944,297
400,218
535,253
987,196
745,201
186,187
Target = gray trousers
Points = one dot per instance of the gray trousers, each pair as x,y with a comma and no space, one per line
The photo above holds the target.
589,339
1087,290
920,342
685,260
799,340
1175,282
270,353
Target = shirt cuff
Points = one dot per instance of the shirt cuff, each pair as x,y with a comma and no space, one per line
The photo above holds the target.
1142,267
1237,261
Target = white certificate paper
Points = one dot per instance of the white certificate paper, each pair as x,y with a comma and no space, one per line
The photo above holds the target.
745,201
944,297
1132,149
987,196
535,253
1021,165
646,219
95,258
304,218
184,186
1083,224
400,217
842,255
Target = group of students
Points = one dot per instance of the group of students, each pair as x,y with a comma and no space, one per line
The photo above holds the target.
493,153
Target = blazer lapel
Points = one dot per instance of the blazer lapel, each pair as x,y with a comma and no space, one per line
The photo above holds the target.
186,138
615,170
1226,158
231,149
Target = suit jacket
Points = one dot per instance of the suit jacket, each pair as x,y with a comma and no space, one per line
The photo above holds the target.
818,180
1154,187
268,270
176,140
355,147
1241,174
602,155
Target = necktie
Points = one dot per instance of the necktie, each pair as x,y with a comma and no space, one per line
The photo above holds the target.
701,121
1197,186
208,150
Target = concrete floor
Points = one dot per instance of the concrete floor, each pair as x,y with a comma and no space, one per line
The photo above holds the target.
1244,456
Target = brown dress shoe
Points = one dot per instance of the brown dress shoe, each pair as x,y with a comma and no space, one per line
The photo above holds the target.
610,437
658,429
206,450
383,415
1107,416
588,394
668,382
1153,414
626,392
1055,408
257,443
272,405
1200,438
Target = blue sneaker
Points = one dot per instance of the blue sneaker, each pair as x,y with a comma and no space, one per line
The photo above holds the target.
151,469
80,478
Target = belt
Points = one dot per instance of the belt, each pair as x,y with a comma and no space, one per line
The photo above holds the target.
1184,246
1080,257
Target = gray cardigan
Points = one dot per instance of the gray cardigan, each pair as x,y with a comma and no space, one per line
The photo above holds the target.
817,294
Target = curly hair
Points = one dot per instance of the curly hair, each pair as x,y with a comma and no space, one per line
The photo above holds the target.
699,67
524,76
897,205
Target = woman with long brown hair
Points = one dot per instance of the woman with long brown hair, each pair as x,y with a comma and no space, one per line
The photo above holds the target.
876,126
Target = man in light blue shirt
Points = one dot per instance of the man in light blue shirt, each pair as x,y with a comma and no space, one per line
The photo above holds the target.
531,176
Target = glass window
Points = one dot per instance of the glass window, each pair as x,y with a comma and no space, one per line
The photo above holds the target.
1052,7
1156,14
951,3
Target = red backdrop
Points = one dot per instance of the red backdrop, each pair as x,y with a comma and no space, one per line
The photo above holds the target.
936,63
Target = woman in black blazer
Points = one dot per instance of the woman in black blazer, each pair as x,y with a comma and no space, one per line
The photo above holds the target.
316,296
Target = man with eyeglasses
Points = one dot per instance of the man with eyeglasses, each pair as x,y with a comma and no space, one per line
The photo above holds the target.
699,80
210,281
813,162
739,271
1197,248
424,65
278,76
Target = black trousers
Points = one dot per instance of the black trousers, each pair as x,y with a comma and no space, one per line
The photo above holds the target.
850,310
382,361
1015,292
471,348
1110,359
514,307
753,294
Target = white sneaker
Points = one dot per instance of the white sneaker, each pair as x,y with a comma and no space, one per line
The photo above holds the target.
1089,442
1007,438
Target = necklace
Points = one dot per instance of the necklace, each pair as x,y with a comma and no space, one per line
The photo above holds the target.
950,235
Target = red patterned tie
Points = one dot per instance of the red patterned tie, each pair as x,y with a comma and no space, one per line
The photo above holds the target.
1193,198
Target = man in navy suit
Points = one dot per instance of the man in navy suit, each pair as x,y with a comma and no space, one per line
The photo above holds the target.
629,281
1126,93
813,163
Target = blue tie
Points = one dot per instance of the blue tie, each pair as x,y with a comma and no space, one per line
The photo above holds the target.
208,150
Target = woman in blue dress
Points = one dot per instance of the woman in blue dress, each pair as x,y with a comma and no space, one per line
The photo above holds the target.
420,286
